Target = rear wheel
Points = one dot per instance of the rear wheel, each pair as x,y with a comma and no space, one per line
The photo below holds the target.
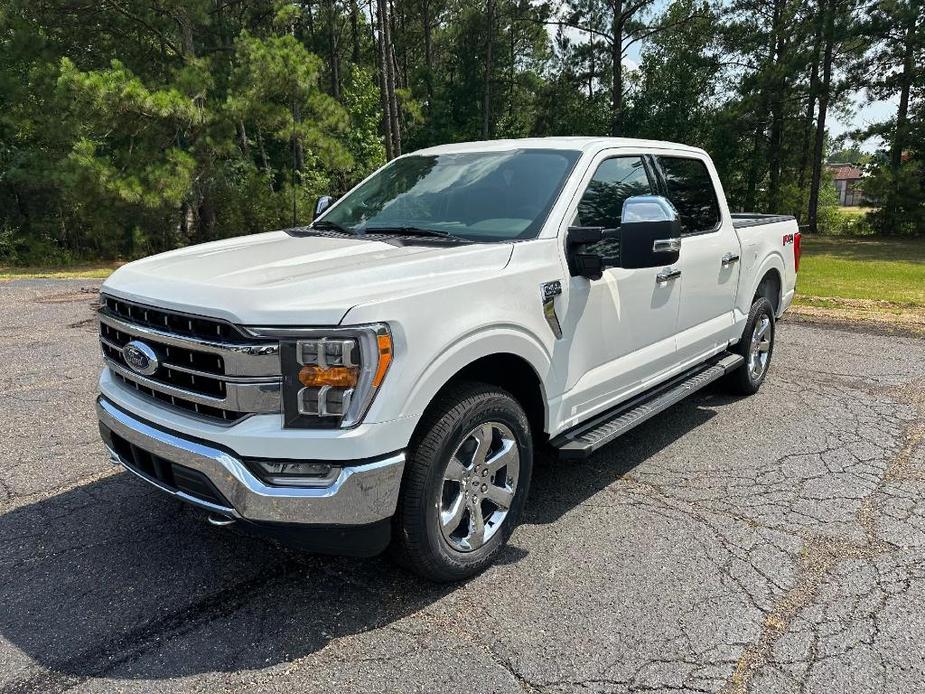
465,483
756,347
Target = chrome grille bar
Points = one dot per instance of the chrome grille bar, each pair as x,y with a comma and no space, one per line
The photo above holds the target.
254,359
241,397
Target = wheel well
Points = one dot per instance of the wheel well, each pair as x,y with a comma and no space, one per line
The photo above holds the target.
515,375
769,288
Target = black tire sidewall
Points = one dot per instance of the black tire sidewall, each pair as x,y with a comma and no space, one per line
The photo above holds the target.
491,404
761,307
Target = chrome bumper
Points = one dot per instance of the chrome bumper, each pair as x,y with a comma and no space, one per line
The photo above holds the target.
361,494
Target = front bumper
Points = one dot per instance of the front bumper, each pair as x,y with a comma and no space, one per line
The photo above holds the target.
364,493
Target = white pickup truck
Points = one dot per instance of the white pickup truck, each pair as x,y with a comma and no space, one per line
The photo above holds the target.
385,376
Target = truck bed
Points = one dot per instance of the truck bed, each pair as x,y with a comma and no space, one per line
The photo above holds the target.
743,220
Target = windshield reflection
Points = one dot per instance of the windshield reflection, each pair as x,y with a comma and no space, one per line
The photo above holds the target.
481,196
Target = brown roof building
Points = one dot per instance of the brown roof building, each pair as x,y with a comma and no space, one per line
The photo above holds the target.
847,177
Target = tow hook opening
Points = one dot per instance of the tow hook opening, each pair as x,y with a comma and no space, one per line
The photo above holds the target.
220,520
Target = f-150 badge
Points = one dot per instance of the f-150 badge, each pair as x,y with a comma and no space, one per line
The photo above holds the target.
548,292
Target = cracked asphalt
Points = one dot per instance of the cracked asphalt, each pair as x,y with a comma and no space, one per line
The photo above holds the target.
767,544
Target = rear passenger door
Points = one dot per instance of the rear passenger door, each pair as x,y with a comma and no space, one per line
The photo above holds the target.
709,255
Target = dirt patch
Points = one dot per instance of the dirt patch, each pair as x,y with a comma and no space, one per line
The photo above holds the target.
819,557
82,294
884,317
88,324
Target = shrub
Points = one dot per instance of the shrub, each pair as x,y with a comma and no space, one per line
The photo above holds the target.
837,221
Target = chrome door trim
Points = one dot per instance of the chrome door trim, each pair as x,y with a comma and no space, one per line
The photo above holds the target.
666,245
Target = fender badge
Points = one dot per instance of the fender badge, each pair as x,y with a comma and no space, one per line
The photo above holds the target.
548,293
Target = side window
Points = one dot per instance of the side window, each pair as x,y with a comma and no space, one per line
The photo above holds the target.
614,181
690,189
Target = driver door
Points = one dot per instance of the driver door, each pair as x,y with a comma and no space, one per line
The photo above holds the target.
620,329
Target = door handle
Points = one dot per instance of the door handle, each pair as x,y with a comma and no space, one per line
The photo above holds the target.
667,274
729,259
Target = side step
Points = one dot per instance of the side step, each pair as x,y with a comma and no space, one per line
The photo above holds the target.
583,440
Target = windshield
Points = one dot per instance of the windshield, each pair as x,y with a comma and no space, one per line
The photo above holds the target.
480,196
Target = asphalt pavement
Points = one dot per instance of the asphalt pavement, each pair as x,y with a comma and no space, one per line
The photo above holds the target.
766,544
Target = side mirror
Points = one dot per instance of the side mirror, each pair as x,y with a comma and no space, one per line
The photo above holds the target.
651,232
592,249
323,203
649,235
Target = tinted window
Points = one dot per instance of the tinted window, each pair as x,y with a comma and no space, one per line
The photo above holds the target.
614,181
482,196
690,189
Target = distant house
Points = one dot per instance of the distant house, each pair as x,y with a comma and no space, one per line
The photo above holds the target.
847,178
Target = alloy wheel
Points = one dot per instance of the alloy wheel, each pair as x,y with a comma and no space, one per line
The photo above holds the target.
760,349
478,488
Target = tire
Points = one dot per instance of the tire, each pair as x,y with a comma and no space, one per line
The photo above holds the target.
465,420
747,379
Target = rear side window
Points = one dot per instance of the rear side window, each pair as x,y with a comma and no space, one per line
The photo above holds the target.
614,181
690,189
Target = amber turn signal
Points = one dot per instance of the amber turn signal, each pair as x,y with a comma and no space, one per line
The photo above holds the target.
337,376
384,343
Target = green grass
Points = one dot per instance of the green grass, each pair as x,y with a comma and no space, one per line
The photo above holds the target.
877,269
97,271
855,211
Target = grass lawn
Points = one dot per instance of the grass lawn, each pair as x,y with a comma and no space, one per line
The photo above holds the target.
855,211
97,271
881,270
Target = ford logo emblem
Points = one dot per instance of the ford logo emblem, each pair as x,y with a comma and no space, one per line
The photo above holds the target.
140,358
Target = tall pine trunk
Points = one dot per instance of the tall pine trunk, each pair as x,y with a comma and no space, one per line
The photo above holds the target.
779,86
354,32
905,86
616,57
811,98
333,50
383,84
754,167
389,101
486,93
824,94
428,52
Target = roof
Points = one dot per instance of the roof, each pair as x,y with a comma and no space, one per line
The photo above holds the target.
572,143
845,172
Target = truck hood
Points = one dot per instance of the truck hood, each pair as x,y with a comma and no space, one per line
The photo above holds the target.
278,279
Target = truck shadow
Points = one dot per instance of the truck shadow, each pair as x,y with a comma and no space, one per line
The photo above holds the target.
560,486
113,579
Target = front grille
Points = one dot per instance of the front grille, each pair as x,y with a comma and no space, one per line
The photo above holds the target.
204,368
114,340
216,414
176,478
207,329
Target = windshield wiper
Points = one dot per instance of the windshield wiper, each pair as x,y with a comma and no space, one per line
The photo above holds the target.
410,231
325,225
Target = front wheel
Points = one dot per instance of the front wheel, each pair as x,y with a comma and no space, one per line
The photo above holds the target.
465,483
756,346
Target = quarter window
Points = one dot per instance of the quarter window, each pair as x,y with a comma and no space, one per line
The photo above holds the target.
691,191
614,181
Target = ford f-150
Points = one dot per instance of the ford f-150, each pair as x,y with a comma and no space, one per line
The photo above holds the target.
385,376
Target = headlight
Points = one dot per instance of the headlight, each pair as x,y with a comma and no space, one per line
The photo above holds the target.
330,376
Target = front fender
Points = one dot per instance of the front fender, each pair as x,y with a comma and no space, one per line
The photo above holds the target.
493,340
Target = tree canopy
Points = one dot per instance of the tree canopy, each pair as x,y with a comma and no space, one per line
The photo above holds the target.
134,126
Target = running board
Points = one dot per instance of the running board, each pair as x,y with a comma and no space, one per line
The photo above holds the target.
583,440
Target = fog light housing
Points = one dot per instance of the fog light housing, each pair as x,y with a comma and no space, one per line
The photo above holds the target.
296,473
